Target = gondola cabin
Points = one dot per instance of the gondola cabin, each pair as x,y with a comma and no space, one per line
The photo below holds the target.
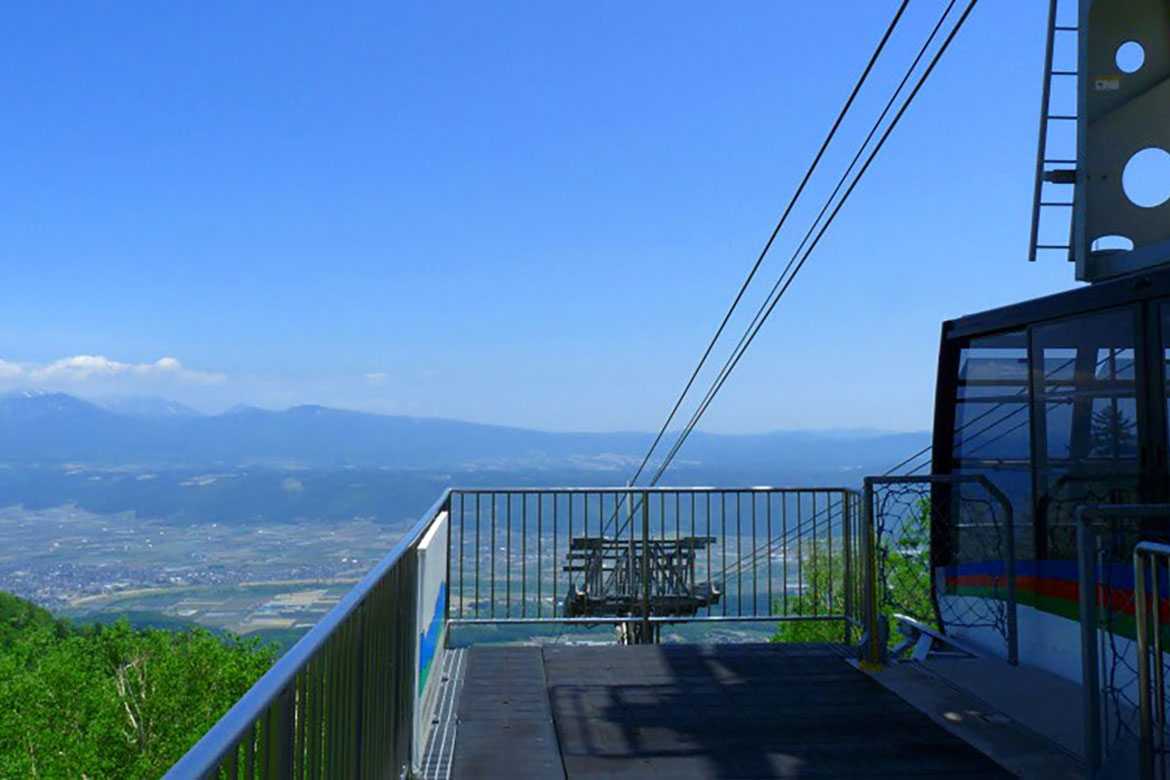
1061,402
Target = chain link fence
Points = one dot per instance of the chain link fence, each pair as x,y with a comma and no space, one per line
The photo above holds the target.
1106,539
944,556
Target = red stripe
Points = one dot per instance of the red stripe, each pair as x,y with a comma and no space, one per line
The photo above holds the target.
1120,600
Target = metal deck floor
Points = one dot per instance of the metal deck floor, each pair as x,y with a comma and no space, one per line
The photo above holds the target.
682,711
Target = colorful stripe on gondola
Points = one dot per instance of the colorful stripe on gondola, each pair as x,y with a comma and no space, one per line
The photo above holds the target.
1052,586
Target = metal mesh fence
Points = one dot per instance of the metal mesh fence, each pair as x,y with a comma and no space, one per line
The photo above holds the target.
944,556
1106,540
1151,581
1115,599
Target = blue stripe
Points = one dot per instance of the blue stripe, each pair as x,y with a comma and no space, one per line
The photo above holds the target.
429,642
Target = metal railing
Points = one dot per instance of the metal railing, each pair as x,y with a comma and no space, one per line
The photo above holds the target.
940,550
350,698
343,701
1111,592
1151,562
1108,538
650,556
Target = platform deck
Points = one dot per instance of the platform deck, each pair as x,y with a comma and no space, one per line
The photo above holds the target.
683,711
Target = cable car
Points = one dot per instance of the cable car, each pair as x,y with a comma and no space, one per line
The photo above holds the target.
1061,401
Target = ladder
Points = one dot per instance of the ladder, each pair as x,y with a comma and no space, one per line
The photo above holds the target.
1054,167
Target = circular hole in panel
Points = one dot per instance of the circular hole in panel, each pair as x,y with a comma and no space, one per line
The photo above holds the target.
1131,55
1112,244
1146,178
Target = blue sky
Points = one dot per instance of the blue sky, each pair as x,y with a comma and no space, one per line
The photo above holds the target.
514,212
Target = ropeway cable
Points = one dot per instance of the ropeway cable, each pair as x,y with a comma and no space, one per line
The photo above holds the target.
772,238
784,283
764,252
766,307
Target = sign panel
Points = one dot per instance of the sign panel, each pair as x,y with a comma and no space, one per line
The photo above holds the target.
431,627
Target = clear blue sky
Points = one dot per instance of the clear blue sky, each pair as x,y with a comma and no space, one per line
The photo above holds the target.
530,213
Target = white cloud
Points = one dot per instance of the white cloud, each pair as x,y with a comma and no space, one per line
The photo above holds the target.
79,368
377,378
10,370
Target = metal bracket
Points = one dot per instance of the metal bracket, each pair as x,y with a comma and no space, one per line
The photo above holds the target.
923,638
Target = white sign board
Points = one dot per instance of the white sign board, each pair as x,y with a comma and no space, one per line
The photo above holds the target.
431,627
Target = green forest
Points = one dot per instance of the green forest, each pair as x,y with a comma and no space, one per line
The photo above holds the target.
111,701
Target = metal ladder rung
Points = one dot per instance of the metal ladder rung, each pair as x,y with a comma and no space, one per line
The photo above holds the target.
1045,166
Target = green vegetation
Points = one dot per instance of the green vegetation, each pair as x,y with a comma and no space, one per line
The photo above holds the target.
903,583
904,569
823,594
111,701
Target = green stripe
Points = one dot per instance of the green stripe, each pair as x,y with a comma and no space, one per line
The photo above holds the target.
1123,624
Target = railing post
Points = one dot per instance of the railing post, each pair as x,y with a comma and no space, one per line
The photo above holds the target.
646,636
451,522
872,654
1141,615
1087,591
278,736
1013,630
633,565
847,564
409,626
359,726
1159,681
1009,546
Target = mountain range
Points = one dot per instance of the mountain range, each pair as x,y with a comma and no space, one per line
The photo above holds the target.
43,428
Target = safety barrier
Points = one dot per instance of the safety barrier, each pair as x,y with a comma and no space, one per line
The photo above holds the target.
940,550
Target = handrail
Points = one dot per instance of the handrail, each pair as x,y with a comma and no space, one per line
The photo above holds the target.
1149,623
483,491
1085,516
691,554
226,734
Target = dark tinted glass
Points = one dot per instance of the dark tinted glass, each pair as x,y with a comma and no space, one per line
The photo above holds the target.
1085,406
992,432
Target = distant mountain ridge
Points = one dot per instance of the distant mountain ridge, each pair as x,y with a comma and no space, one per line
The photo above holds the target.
146,406
57,428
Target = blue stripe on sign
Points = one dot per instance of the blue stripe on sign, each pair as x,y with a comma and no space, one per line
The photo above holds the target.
428,642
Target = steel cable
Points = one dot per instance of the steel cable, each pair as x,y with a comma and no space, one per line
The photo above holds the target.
775,232
768,307
783,283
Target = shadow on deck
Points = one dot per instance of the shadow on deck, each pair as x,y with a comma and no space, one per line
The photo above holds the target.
691,711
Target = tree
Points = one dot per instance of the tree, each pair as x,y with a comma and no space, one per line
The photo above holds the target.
1111,432
111,701
823,594
904,584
